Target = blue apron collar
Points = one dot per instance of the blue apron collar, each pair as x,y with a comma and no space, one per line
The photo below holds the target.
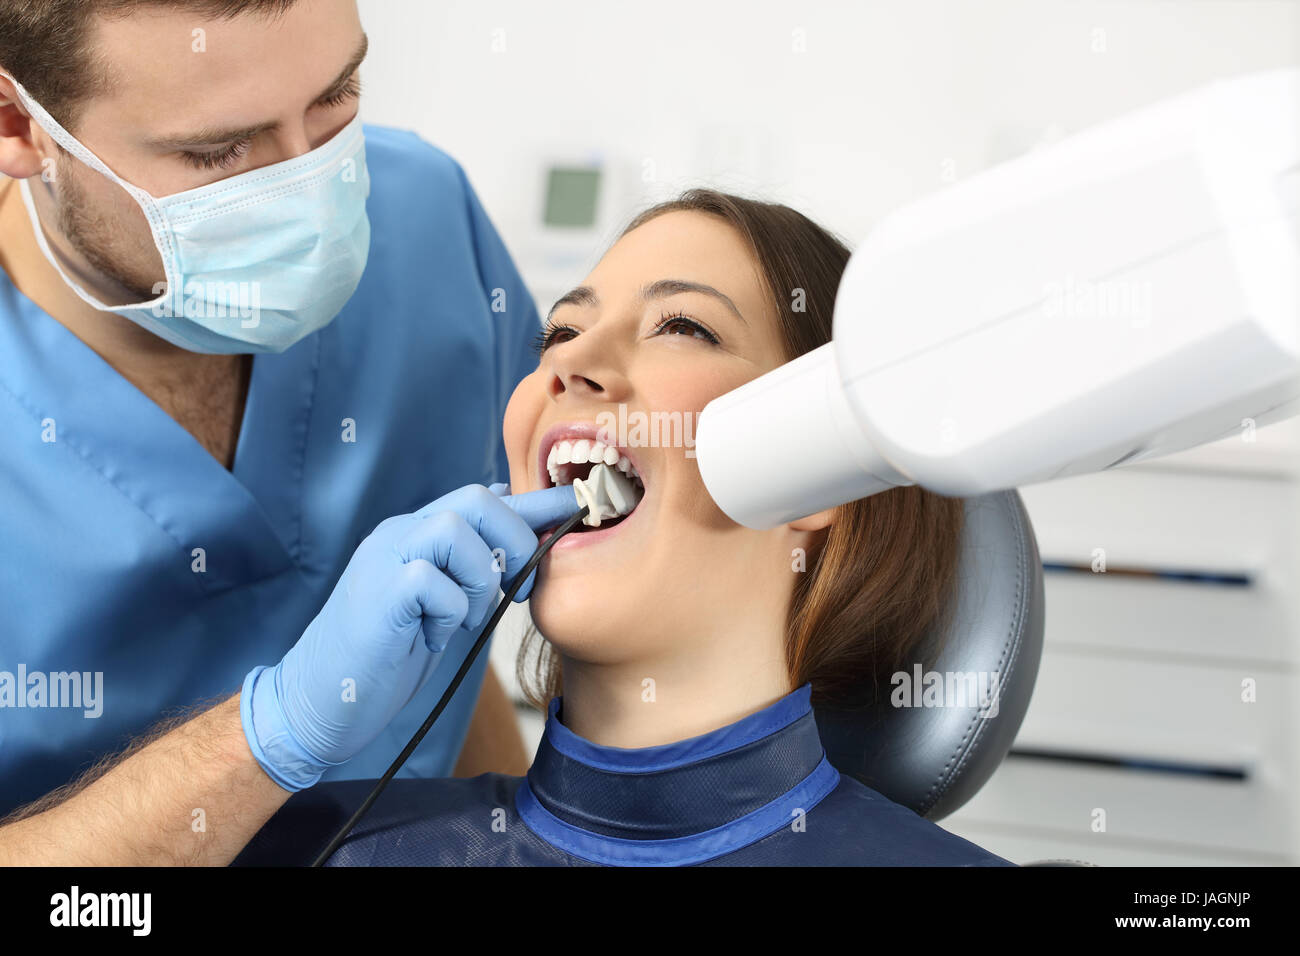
679,803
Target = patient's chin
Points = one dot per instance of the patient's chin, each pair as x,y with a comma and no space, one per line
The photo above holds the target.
578,623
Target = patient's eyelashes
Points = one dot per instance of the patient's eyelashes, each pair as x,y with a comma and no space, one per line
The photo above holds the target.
682,321
547,337
674,323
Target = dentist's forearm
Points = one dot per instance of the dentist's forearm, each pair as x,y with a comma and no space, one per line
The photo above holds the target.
191,794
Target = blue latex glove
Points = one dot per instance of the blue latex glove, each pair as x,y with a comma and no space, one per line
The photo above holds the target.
410,586
540,509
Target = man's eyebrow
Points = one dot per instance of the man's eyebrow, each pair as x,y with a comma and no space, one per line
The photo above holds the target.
666,287
213,136
353,65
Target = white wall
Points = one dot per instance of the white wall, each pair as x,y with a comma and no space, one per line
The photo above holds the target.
887,97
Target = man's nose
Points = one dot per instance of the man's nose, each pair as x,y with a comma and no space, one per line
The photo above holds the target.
302,136
292,142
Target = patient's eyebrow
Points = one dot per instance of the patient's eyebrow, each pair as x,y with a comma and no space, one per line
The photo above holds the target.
666,287
582,295
214,136
660,289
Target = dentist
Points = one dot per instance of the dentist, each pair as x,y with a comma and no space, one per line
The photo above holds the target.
238,333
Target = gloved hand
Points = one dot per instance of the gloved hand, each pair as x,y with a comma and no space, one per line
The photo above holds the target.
409,587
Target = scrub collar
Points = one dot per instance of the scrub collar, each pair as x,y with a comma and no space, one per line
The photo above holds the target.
680,803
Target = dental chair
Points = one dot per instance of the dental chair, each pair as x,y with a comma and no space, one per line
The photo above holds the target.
934,759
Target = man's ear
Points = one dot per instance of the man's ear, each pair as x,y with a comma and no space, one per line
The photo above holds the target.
814,522
19,156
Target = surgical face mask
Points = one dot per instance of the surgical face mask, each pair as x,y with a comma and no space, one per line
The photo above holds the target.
253,263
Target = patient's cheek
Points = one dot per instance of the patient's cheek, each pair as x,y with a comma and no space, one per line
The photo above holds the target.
518,426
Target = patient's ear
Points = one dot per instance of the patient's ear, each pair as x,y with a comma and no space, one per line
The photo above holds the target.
814,522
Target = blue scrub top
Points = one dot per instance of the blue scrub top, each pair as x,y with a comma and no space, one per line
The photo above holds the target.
104,498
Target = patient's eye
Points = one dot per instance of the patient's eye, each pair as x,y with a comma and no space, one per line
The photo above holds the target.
551,335
678,323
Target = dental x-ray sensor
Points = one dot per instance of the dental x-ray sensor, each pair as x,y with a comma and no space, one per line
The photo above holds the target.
1128,292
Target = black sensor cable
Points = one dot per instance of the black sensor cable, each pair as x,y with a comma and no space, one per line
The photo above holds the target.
483,636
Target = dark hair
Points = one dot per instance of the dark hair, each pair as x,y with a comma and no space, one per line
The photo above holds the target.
882,573
45,44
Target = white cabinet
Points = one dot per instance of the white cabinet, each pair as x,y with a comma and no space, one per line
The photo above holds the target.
1164,724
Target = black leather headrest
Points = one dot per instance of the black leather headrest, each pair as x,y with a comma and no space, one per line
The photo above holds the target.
935,758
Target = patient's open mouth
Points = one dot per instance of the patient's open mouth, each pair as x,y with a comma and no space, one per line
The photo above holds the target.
571,459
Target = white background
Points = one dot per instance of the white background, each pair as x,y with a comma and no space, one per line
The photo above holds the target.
888,97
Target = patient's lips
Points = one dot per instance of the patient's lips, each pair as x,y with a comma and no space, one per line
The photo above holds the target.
575,451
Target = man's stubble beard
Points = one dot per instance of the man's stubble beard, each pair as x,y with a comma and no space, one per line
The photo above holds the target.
94,236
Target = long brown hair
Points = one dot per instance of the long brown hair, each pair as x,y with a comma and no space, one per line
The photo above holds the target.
881,575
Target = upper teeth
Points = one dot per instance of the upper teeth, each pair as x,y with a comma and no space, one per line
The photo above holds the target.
577,451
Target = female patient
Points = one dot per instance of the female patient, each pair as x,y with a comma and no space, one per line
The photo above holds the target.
687,648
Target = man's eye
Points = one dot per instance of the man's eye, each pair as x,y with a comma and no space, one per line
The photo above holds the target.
350,91
221,158
683,324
